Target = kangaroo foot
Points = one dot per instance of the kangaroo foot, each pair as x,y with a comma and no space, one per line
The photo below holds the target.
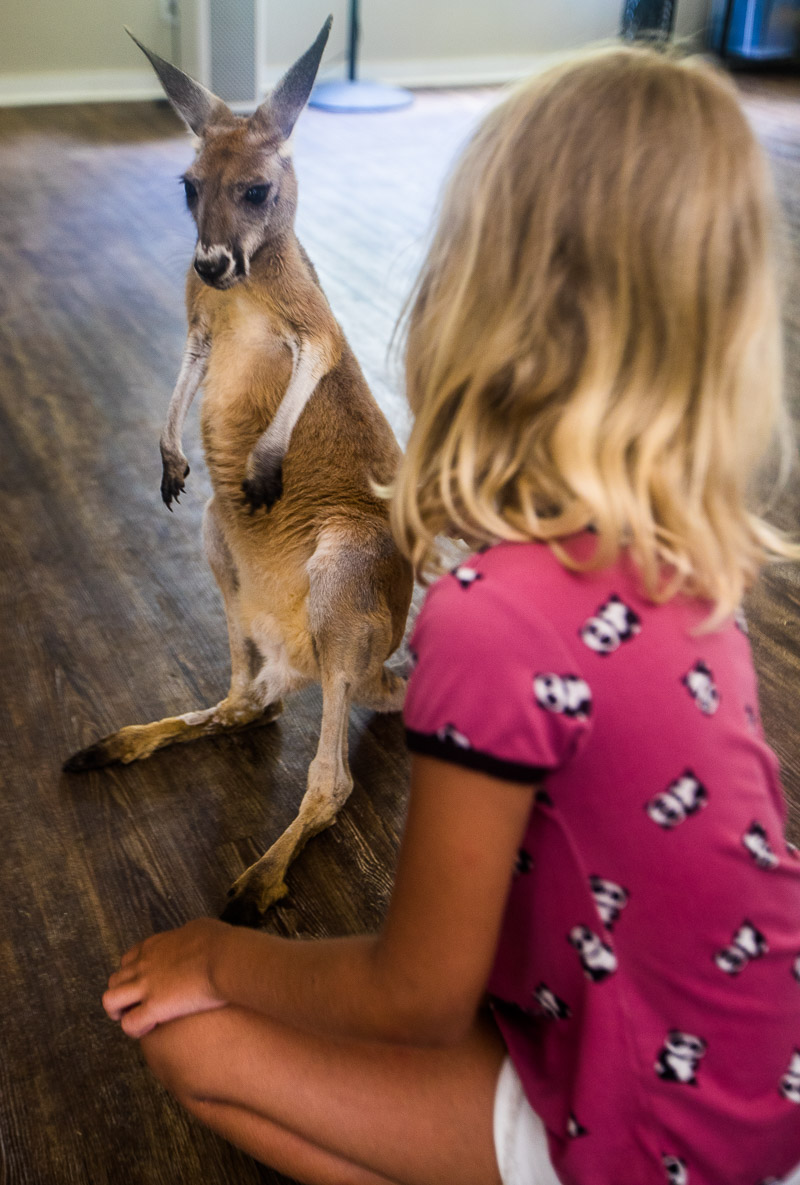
251,895
138,741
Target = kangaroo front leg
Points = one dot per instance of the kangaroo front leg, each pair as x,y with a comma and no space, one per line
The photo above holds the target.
263,483
328,788
175,467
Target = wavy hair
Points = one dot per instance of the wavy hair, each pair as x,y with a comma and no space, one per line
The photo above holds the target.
594,338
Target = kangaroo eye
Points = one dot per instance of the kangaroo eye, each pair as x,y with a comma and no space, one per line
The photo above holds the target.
190,191
256,195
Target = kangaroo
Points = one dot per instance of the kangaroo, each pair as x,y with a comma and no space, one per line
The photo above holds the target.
314,587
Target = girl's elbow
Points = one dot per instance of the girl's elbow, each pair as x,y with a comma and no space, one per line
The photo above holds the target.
450,1030
420,1009
428,1025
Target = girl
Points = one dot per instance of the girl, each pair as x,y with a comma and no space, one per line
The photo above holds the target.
595,833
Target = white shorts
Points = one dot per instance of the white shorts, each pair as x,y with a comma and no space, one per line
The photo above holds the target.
520,1140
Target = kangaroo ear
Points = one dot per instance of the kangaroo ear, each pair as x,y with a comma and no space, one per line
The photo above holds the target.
289,97
197,107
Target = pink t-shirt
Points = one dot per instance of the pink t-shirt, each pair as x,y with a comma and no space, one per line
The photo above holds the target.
647,978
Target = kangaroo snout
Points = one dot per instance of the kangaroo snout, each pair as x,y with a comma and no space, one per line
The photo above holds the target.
215,266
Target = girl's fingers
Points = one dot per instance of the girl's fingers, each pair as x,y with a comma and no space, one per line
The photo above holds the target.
131,955
117,999
137,1022
124,975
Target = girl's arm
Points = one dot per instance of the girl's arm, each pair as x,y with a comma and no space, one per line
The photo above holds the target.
419,981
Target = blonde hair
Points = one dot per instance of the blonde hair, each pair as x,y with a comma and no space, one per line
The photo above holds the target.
594,338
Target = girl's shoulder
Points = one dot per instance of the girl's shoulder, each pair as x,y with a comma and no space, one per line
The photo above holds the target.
531,565
516,657
497,582
524,591
481,647
529,579
500,603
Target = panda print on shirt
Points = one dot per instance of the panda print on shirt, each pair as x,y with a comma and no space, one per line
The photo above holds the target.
568,695
679,1058
609,898
796,969
450,735
790,1082
675,1168
682,798
550,1004
756,841
466,576
699,682
575,1129
597,958
612,624
747,943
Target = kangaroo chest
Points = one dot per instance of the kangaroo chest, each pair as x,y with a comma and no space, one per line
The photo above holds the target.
249,368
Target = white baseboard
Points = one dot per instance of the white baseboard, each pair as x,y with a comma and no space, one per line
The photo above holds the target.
77,86
88,86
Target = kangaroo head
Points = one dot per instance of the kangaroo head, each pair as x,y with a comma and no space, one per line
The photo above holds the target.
241,187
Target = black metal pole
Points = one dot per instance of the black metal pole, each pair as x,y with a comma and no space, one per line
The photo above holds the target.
352,94
650,20
354,31
726,30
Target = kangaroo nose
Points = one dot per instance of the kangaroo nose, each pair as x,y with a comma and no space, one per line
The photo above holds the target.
210,269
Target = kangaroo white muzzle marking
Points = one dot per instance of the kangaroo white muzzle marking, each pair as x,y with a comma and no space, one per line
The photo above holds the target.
214,265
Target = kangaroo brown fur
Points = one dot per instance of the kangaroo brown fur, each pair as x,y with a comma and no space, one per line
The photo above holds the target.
314,587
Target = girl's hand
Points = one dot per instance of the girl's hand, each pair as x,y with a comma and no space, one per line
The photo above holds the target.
166,976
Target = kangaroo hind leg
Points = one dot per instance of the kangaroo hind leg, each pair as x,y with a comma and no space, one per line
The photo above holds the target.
382,690
390,590
242,707
348,630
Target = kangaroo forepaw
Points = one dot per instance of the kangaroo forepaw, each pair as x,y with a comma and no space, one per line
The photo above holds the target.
175,471
264,489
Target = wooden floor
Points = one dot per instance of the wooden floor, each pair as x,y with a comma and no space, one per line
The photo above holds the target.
109,616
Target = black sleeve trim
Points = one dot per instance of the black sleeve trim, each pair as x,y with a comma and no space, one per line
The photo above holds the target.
430,745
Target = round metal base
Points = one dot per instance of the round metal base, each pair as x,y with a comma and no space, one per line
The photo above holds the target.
359,96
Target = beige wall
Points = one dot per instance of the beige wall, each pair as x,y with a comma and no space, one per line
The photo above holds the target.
692,17
64,35
417,30
72,49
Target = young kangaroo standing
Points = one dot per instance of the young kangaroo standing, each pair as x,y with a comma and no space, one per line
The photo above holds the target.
300,546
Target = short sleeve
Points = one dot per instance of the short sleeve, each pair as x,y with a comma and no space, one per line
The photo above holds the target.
493,687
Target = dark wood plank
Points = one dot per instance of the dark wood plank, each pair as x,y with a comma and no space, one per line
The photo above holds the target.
108,614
